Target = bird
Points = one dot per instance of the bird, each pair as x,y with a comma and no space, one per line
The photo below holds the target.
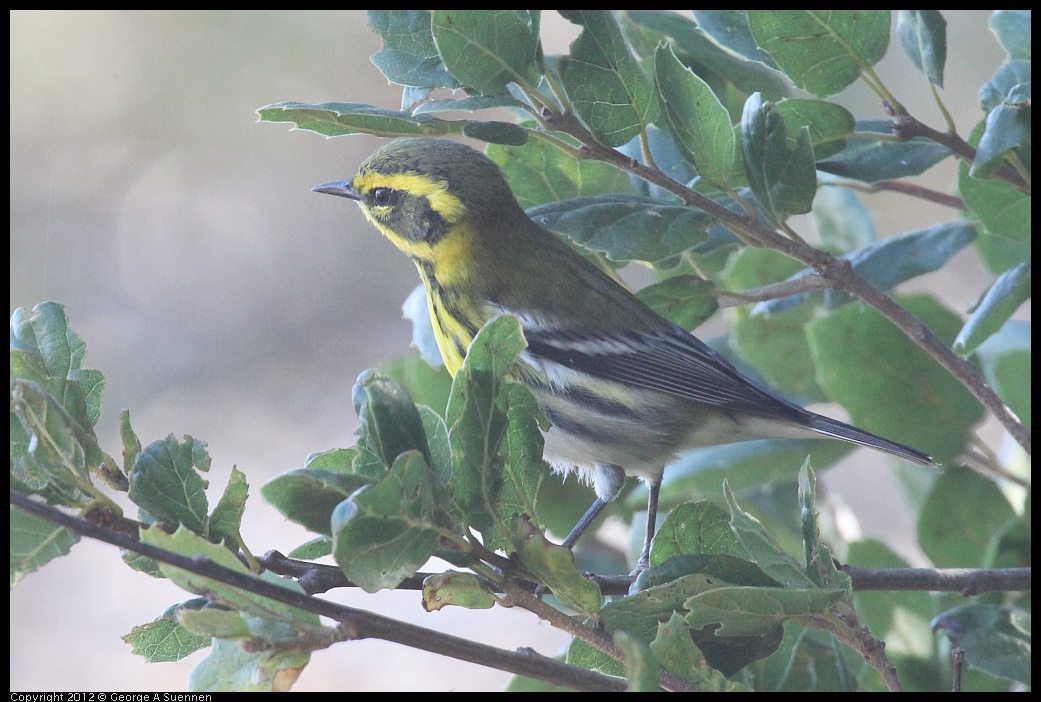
624,389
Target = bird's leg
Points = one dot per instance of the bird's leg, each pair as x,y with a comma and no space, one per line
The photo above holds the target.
654,487
588,518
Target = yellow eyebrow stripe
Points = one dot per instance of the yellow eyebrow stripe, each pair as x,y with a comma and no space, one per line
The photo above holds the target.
450,207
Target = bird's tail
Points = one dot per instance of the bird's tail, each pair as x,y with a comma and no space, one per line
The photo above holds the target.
839,430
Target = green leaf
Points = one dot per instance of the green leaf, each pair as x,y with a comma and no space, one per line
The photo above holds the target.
998,304
582,655
34,542
812,661
1008,76
677,653
697,119
666,157
889,262
732,77
873,160
453,588
164,639
539,173
165,482
754,611
822,51
685,300
339,118
819,562
999,254
476,420
496,132
44,335
772,337
314,549
440,449
273,666
409,55
334,460
667,588
829,124
607,87
892,261
469,103
426,385
214,623
712,564
901,619
955,532
523,684
730,29
1007,129
695,528
131,444
843,223
625,227
188,543
226,520
46,331
923,34
781,173
1012,28
640,614
763,551
1001,207
641,665
776,345
523,469
1007,365
485,50
554,566
996,638
761,463
308,496
390,423
889,385
48,448
384,533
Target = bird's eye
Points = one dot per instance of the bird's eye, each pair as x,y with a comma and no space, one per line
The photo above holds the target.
381,197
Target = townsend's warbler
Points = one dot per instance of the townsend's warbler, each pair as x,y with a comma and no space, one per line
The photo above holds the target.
624,389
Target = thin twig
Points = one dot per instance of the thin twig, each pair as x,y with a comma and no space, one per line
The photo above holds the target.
904,188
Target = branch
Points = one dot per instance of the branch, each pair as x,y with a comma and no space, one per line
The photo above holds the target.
908,127
967,581
354,623
784,288
904,188
847,630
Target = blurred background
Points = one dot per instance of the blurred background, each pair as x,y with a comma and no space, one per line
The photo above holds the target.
223,299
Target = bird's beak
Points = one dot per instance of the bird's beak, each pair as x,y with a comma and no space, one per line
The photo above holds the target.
343,188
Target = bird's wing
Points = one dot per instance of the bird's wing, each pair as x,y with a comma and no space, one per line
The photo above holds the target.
667,359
